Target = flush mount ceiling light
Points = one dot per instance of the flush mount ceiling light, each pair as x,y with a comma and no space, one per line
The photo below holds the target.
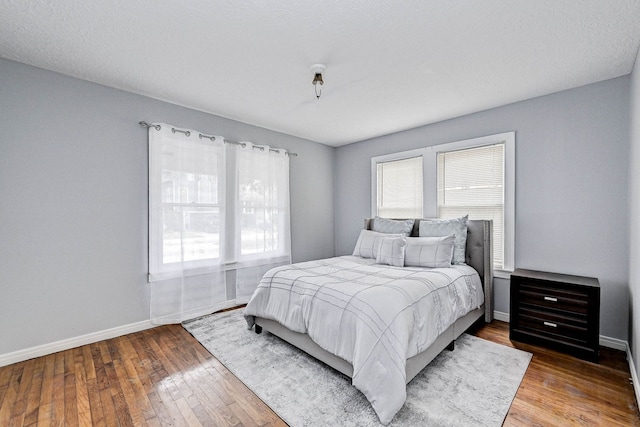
317,82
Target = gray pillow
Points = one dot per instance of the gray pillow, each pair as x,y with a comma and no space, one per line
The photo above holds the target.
432,252
445,227
369,242
384,225
391,251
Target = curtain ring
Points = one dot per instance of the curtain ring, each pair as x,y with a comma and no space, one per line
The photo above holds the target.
186,132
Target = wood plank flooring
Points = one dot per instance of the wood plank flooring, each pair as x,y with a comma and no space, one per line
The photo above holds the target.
560,390
164,377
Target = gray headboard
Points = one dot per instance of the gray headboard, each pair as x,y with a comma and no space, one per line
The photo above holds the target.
479,255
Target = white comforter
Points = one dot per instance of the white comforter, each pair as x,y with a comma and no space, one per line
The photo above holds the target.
371,315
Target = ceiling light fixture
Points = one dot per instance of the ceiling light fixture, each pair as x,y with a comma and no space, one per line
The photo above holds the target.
317,82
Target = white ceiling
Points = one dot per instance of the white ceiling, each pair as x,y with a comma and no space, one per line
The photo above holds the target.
391,65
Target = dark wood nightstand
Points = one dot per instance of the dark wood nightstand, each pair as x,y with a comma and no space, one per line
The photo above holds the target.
558,311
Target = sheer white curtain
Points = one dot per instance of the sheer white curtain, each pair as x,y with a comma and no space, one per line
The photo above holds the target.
262,226
218,219
186,224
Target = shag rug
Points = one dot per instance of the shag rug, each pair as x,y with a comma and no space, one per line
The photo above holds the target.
473,385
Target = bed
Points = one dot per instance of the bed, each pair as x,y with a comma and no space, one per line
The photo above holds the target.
380,341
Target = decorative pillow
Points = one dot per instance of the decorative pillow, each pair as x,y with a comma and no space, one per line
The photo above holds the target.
444,227
369,242
383,225
391,251
432,252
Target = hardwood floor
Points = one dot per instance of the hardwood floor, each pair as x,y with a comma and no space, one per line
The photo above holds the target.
164,377
158,377
560,390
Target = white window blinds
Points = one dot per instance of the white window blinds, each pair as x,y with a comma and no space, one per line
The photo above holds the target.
400,188
471,181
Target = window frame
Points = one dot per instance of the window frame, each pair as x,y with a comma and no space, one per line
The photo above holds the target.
429,185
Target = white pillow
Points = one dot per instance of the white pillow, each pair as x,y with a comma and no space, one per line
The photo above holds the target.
391,251
444,227
368,243
432,252
384,225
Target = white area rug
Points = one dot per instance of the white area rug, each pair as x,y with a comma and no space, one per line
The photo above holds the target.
473,385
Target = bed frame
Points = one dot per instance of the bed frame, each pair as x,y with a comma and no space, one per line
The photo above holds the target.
478,255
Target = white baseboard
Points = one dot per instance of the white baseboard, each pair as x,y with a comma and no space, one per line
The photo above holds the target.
613,343
499,315
66,344
634,375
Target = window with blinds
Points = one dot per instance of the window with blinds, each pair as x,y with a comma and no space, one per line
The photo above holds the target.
471,181
474,177
399,187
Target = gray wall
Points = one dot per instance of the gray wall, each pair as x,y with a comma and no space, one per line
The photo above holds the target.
634,214
73,181
73,209
571,185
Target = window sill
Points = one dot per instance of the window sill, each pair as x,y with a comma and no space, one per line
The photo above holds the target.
502,274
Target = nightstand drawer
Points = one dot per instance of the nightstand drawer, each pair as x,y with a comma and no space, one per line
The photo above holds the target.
558,326
575,302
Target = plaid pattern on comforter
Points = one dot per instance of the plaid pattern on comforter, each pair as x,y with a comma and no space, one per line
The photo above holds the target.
373,316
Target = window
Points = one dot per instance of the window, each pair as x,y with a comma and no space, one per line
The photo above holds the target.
471,182
188,180
218,219
263,199
474,177
400,188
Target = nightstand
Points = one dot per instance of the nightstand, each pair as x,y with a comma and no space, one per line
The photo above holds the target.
558,311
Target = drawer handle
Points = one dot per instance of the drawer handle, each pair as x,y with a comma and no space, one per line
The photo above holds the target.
553,325
552,299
